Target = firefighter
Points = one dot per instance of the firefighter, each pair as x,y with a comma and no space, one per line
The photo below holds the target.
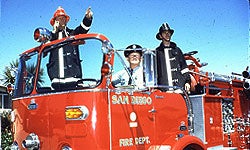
172,69
59,22
64,62
133,54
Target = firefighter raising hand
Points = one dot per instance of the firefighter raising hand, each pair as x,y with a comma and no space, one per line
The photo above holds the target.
59,22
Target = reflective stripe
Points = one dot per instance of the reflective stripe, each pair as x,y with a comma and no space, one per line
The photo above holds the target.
85,27
66,33
175,80
61,59
174,69
185,70
168,67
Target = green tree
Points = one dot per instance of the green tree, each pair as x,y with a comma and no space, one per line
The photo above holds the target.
8,78
6,137
9,73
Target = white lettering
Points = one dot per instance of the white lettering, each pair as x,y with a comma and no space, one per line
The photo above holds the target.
134,100
139,100
136,141
126,142
142,140
120,99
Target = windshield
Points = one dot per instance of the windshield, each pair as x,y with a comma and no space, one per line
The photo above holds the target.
24,82
65,66
71,65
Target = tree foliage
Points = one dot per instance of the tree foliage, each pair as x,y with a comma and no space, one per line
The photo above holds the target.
9,73
6,136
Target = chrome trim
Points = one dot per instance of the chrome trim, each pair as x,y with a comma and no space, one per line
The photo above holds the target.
33,105
31,142
58,93
14,146
66,148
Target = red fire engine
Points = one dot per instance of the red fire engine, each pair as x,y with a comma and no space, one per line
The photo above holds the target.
64,100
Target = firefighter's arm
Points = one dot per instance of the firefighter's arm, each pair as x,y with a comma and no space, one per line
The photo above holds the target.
85,24
87,20
186,74
185,71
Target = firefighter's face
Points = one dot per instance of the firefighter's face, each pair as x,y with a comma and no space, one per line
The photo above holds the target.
62,21
134,58
166,35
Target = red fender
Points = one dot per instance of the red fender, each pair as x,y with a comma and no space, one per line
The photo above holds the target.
185,143
189,140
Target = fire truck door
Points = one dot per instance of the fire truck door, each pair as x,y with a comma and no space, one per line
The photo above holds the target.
131,120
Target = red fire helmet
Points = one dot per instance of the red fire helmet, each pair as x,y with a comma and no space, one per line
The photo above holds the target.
59,12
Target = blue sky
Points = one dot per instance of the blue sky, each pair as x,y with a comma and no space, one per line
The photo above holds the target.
217,29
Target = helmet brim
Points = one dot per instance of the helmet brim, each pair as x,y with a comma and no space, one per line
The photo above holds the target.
128,52
158,34
52,20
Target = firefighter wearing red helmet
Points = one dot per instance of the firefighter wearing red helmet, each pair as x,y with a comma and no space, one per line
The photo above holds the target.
172,68
59,22
65,63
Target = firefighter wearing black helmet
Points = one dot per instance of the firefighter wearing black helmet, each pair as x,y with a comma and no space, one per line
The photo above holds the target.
171,59
133,54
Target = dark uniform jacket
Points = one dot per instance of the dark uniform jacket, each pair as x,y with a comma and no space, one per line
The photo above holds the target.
178,64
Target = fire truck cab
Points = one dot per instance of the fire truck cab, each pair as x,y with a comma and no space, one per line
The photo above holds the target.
64,100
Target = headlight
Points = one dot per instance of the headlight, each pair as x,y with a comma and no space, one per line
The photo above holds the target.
31,141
